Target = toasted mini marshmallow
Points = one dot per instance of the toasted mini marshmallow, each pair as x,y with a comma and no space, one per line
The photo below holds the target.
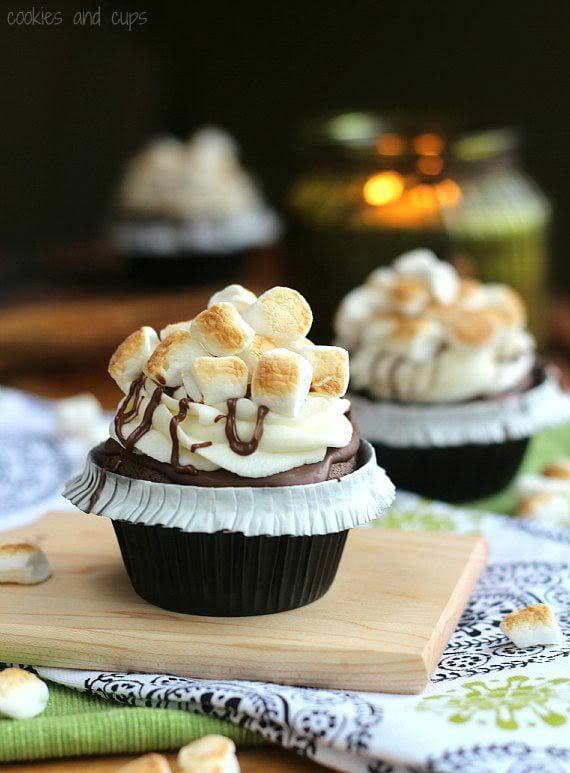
23,563
130,357
300,343
173,355
531,626
210,754
330,369
237,295
148,763
559,469
214,379
166,331
22,694
409,295
282,381
547,507
221,330
506,304
440,276
251,355
472,329
354,313
281,314
415,337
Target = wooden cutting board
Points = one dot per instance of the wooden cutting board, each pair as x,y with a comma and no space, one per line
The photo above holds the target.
381,627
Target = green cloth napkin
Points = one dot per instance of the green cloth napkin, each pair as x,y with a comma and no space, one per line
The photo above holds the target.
78,724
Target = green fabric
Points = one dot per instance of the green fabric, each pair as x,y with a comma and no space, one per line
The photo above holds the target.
78,724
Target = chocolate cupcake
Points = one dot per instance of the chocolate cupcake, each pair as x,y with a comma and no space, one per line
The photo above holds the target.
233,471
444,377
190,206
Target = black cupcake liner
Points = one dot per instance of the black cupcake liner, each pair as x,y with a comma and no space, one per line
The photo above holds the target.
453,473
226,573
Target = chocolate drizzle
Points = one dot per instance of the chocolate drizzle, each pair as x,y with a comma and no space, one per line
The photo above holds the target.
111,466
124,416
219,417
183,406
195,446
238,446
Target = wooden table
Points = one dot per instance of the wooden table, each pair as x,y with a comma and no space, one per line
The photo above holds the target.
263,760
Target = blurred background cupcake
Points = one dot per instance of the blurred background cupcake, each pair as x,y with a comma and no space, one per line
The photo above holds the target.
444,377
190,210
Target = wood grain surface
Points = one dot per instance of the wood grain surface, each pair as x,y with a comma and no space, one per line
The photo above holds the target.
265,760
381,627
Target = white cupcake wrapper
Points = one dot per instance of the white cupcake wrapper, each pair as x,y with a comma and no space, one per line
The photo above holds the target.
483,421
216,234
318,508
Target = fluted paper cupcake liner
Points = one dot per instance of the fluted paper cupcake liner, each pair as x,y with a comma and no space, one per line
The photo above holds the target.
496,420
304,510
239,231
227,574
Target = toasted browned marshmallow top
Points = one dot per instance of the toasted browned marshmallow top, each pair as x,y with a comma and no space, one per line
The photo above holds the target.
221,330
477,347
198,367
535,614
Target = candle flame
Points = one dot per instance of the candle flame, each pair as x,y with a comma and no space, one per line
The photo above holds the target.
383,188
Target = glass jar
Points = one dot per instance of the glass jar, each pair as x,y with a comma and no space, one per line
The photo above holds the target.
377,186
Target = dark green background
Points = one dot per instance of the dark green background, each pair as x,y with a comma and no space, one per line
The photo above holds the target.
76,101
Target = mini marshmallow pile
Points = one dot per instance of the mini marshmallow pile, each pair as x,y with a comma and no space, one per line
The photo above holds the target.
250,348
417,332
201,177
531,626
238,340
545,497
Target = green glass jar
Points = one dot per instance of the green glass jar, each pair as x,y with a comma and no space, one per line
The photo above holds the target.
376,186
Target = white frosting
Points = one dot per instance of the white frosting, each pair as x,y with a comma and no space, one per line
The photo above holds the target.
303,390
287,442
199,178
418,333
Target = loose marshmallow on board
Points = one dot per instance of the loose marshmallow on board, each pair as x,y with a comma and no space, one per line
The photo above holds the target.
23,563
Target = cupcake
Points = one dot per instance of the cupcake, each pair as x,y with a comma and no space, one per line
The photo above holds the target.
444,377
233,470
192,207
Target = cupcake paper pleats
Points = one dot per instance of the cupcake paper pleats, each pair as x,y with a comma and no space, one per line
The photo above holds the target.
305,510
495,420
